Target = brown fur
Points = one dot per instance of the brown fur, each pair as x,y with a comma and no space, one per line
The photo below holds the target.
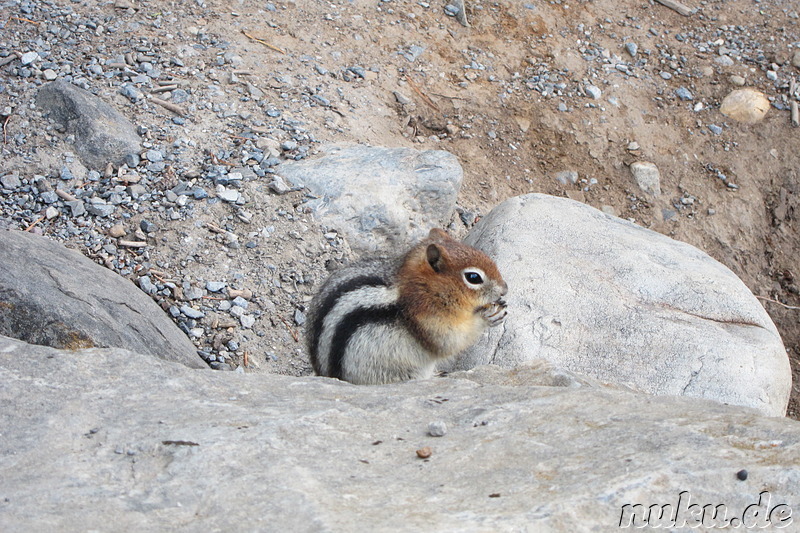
438,303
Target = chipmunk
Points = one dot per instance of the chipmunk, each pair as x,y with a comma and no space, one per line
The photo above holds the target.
385,321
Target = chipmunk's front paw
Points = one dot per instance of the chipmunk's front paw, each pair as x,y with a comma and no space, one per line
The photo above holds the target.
494,313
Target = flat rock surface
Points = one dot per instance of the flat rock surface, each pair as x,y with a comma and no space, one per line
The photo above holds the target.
381,198
54,296
598,295
115,438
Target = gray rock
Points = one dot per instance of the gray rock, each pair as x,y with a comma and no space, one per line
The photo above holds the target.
54,296
240,302
684,94
631,48
28,58
102,134
48,197
148,227
379,198
278,186
518,456
146,284
229,195
215,286
725,61
567,177
193,293
77,208
604,297
437,429
593,91
10,182
100,210
192,312
247,321
647,177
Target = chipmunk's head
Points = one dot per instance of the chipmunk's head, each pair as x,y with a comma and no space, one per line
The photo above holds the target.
457,285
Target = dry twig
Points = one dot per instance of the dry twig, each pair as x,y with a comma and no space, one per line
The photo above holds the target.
779,303
34,223
21,19
178,110
291,331
422,95
265,43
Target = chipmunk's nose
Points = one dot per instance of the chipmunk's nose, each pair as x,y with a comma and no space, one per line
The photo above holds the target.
503,288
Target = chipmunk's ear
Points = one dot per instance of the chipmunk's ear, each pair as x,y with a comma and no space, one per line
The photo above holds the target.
437,234
434,256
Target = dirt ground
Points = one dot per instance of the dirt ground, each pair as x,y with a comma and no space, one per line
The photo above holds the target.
508,96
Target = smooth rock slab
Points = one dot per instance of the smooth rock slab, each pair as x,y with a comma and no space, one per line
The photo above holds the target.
116,438
603,297
54,296
379,198
102,134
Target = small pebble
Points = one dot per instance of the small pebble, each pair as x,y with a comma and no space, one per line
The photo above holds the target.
215,286
593,91
28,58
116,231
684,94
437,429
191,312
741,475
148,227
424,452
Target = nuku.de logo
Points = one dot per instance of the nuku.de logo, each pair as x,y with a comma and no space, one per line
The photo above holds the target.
693,515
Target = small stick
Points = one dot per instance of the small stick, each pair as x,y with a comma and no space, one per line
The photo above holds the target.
683,9
178,110
217,160
5,130
64,195
215,229
39,220
779,303
293,333
25,20
424,97
795,114
217,298
265,43
164,88
132,244
246,357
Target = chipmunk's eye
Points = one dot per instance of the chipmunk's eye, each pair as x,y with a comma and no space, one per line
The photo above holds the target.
473,277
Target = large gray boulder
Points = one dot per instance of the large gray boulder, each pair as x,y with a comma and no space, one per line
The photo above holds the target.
601,296
379,198
102,134
54,296
108,439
